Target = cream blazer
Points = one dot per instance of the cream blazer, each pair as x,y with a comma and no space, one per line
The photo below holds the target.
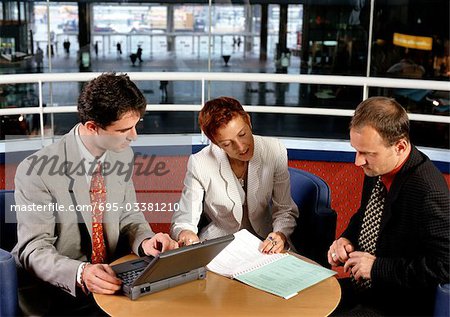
210,186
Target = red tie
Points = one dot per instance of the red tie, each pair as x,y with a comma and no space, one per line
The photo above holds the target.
98,200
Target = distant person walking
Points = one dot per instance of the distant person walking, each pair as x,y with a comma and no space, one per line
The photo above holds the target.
163,87
239,43
52,52
38,58
139,54
119,49
96,48
66,45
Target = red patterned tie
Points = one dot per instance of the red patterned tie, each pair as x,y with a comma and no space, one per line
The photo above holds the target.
98,200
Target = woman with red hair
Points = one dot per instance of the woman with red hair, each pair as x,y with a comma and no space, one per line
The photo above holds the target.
240,181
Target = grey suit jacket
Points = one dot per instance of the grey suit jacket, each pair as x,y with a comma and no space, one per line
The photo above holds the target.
50,243
210,186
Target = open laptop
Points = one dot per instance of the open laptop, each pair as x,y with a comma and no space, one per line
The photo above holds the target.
149,274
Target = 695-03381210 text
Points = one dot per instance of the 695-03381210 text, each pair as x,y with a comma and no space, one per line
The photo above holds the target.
105,207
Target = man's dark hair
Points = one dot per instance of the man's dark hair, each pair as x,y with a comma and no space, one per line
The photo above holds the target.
106,98
385,115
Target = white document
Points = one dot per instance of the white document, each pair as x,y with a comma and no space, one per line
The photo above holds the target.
241,255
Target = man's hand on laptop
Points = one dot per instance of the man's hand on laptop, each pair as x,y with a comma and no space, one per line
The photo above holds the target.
160,242
187,237
100,279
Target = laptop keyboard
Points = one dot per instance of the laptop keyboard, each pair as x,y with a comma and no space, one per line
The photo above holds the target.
129,277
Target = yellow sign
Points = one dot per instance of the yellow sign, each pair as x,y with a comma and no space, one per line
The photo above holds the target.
412,41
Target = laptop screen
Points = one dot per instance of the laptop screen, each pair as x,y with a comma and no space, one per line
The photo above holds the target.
183,259
175,262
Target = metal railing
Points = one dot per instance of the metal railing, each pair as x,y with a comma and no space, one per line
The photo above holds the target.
205,78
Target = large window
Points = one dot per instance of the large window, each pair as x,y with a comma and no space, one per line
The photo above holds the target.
409,39
320,39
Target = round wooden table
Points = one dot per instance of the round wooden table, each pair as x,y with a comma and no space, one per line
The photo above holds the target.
220,296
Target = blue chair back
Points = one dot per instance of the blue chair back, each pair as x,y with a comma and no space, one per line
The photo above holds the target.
8,285
8,222
316,225
442,301
8,272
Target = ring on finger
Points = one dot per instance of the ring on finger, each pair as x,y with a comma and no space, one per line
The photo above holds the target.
333,255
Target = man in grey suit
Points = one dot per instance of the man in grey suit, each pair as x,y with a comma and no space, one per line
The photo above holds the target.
56,249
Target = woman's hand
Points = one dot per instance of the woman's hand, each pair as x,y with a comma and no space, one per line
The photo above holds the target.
274,243
160,242
187,237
